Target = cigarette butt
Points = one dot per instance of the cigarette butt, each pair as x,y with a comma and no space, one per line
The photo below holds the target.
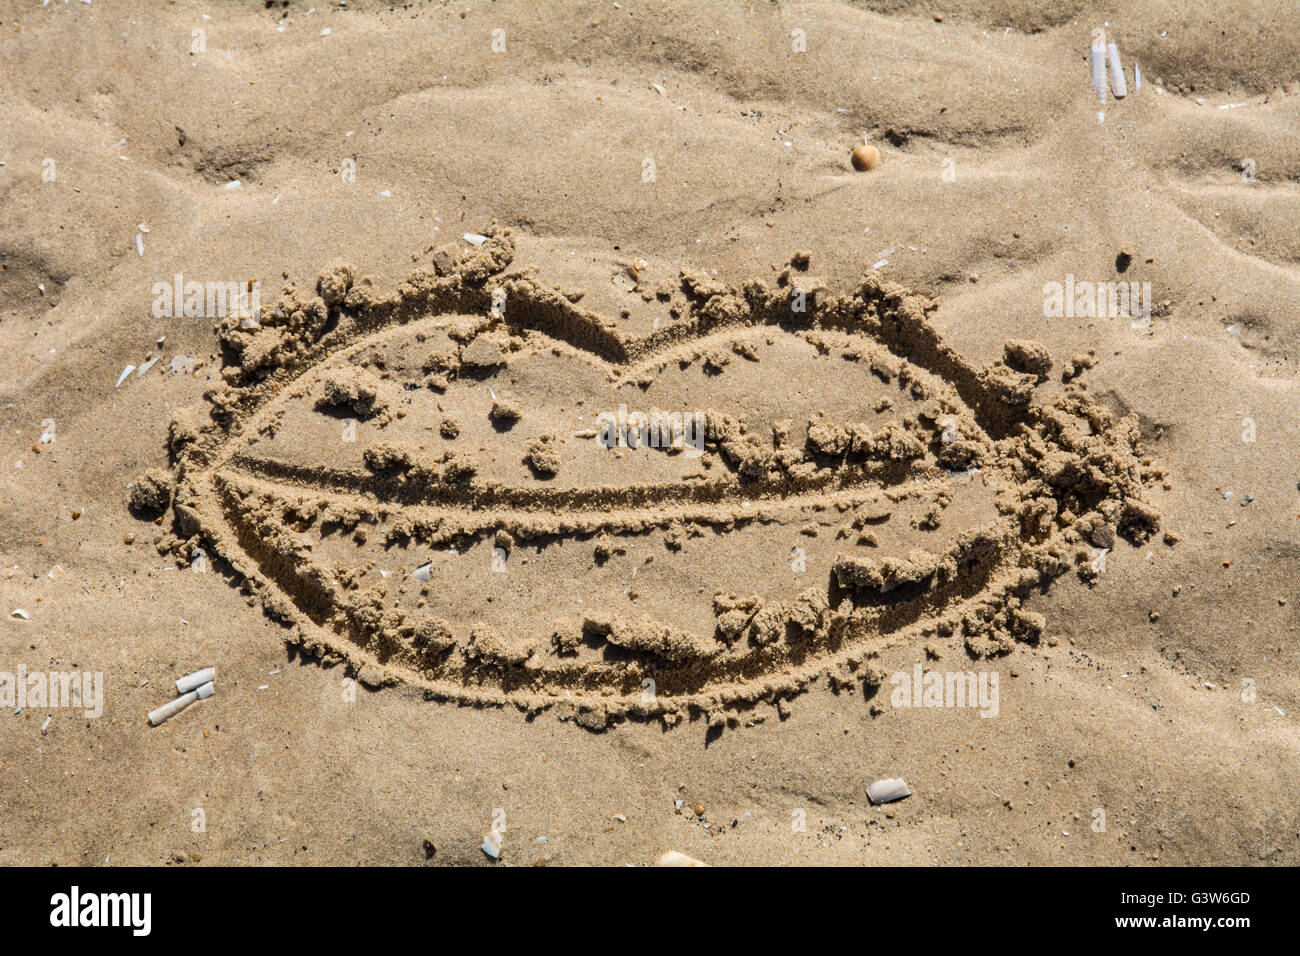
172,708
197,679
1099,71
1117,85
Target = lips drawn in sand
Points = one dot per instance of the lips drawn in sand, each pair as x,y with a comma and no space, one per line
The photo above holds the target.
890,492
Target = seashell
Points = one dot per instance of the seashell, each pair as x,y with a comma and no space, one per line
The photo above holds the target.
422,572
1098,58
865,157
1117,85
492,844
887,791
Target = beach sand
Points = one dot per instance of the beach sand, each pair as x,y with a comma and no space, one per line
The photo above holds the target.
391,501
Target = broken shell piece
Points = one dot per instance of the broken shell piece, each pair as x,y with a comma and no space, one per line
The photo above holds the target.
1098,58
887,791
197,679
250,322
422,572
676,858
492,844
1117,85
125,372
205,691
183,363
146,366
19,612
475,238
1137,78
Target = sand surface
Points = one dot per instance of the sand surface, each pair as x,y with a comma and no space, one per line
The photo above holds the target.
377,502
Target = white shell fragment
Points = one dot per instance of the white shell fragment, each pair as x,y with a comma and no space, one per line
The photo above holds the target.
492,844
475,238
1137,78
19,612
677,858
1117,85
125,372
887,791
139,243
146,366
1098,59
191,681
422,572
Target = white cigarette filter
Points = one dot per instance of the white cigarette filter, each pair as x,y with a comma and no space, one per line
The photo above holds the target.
169,710
197,679
1117,85
1099,70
